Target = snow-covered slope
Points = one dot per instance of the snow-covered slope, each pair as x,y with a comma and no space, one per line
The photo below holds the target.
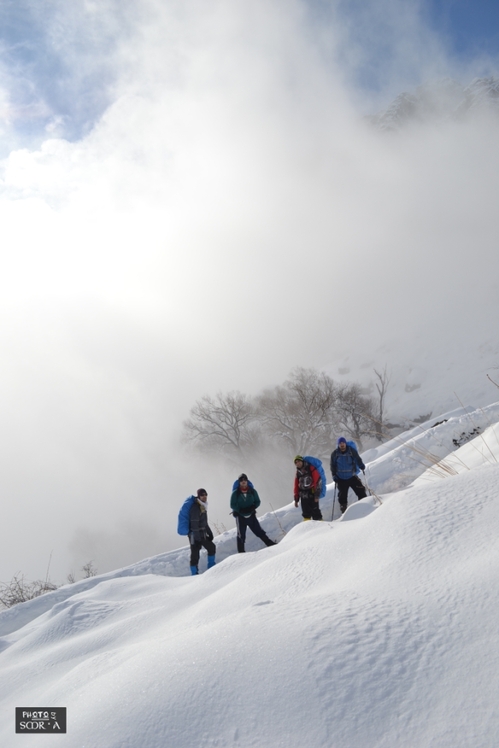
430,448
427,377
379,629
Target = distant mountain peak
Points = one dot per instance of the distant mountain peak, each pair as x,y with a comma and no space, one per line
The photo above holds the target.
445,99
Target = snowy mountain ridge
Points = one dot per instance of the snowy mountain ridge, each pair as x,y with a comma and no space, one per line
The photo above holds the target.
444,99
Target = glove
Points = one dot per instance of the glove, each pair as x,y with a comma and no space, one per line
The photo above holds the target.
335,478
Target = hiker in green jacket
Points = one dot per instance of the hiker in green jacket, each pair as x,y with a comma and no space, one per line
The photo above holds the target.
244,503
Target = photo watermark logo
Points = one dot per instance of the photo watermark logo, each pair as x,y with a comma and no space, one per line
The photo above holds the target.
38,720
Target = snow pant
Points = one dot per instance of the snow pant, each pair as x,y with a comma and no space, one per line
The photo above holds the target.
196,549
242,523
354,483
310,508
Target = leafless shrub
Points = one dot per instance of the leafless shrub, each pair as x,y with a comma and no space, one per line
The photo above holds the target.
19,590
219,528
89,570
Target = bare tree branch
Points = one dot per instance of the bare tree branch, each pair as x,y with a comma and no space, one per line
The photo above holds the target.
356,413
301,411
497,385
381,386
225,423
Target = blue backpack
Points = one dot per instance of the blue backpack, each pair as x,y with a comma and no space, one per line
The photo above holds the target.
351,443
318,466
183,516
235,485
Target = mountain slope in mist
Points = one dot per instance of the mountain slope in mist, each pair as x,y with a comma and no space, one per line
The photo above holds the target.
429,373
445,99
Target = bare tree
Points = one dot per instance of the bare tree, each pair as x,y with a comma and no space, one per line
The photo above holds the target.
300,413
381,386
226,424
302,416
356,413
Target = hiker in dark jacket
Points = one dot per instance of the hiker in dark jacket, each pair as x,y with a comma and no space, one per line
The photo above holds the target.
244,502
345,464
200,534
307,489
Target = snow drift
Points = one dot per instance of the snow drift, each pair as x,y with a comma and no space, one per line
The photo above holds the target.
379,629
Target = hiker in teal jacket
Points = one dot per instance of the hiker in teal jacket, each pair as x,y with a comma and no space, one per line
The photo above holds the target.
244,502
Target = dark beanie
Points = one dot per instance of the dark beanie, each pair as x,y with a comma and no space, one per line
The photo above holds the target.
202,492
342,440
243,476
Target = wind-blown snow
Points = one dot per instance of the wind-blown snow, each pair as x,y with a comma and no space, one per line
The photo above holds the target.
379,629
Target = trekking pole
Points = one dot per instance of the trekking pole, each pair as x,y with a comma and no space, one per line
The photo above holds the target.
334,501
277,518
365,482
371,492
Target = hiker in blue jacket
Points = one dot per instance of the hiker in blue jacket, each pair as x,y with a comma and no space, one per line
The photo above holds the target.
200,534
345,464
244,502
